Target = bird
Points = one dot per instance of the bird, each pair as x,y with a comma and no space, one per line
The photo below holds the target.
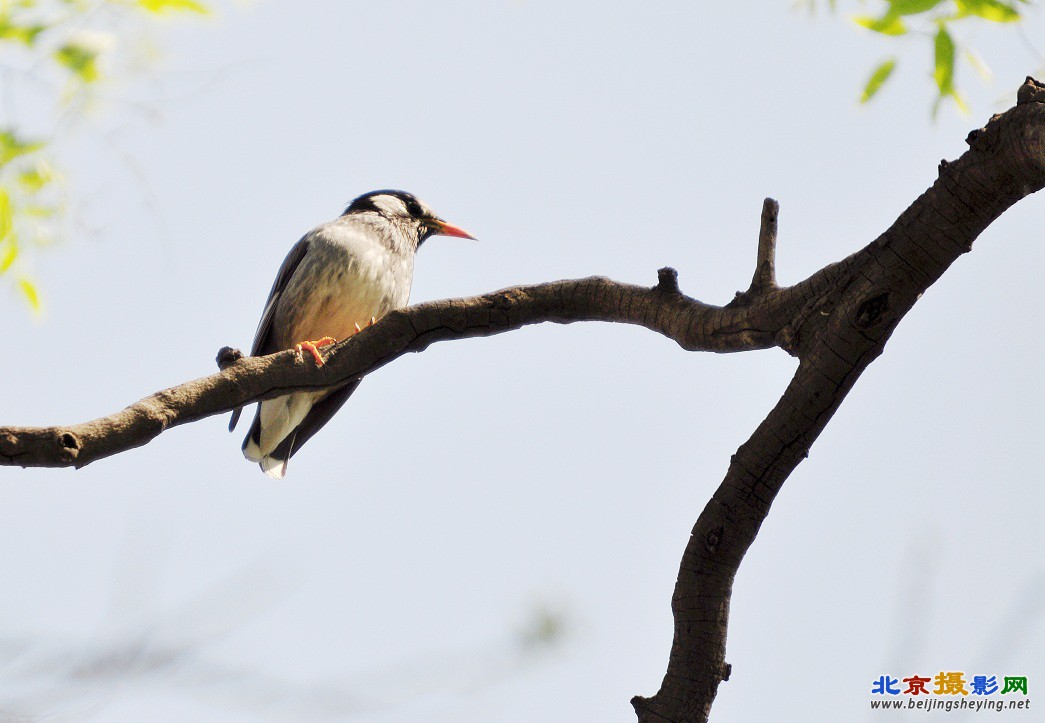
338,277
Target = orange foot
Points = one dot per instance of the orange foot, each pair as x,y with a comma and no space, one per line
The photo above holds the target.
313,348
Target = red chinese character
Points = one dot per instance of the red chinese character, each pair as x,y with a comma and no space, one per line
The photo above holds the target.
916,685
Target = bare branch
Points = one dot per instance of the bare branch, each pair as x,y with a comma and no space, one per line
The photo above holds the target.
840,334
765,265
692,324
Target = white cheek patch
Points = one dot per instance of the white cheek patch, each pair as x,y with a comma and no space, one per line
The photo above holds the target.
390,205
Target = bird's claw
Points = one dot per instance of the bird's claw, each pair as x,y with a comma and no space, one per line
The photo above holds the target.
313,348
373,320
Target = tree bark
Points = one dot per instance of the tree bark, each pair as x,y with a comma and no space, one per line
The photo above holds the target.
836,322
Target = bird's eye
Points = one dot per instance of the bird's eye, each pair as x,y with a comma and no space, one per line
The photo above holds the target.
414,209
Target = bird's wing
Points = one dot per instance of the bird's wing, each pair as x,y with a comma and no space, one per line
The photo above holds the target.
263,337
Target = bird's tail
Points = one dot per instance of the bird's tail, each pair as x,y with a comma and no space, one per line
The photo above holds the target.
273,464
282,425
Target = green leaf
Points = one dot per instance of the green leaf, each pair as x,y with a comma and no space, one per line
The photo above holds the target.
977,62
877,79
34,211
22,33
80,60
163,6
886,25
11,146
27,33
28,289
8,253
943,73
6,215
911,7
992,10
35,178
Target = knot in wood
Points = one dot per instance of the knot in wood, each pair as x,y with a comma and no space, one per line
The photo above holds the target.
713,537
872,311
70,445
501,301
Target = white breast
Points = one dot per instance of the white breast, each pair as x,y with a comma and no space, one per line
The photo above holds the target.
346,278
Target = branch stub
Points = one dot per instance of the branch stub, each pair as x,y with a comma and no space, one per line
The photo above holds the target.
668,280
227,356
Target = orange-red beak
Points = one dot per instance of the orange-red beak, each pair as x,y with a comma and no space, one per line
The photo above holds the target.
442,228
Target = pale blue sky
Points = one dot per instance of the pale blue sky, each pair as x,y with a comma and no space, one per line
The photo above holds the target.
390,575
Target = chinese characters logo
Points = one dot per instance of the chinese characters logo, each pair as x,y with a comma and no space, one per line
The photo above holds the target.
951,682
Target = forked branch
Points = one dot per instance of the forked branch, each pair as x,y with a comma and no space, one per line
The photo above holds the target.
839,333
836,322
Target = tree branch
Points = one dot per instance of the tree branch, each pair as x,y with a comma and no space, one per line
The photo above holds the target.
663,308
837,322
765,265
842,333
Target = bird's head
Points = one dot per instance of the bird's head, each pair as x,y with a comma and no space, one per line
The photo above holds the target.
406,211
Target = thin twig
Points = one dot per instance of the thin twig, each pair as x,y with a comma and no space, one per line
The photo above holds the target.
764,278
